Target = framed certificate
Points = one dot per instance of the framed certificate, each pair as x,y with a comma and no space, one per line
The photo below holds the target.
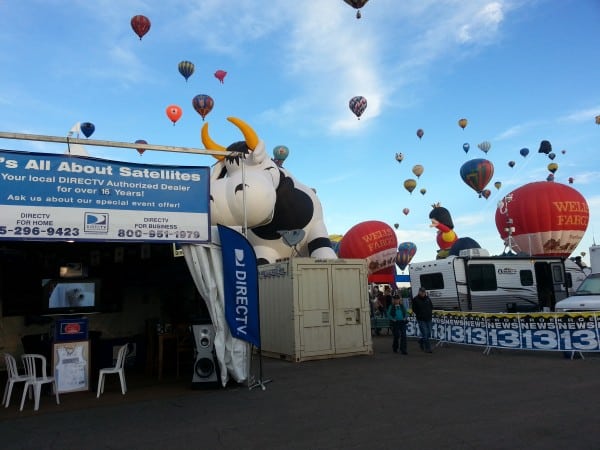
71,364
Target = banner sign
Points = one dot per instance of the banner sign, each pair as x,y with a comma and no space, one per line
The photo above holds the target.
62,197
240,278
579,332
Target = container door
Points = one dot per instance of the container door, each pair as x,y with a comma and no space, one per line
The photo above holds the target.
315,310
352,326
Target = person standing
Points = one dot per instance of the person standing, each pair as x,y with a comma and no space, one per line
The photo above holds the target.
423,309
397,315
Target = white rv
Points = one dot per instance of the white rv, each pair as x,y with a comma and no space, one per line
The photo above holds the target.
475,281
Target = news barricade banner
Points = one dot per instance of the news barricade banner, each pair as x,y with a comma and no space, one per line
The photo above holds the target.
579,332
47,196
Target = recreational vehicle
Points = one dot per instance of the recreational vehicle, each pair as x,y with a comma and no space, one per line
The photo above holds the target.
476,281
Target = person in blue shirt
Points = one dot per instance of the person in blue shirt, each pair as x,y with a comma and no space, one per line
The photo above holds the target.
397,314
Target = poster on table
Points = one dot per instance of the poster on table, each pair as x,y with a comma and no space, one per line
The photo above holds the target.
47,196
71,362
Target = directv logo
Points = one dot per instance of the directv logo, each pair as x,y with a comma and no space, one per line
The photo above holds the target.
95,222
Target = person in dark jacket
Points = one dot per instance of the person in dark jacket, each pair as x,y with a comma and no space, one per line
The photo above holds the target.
397,315
423,310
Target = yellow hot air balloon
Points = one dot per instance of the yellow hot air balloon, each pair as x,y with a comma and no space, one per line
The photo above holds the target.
410,184
552,167
462,123
418,170
498,184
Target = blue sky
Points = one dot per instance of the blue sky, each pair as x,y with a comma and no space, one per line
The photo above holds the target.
520,71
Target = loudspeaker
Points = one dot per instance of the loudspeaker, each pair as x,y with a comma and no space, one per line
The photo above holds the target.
206,367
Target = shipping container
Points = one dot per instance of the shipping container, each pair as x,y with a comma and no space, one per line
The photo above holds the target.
314,309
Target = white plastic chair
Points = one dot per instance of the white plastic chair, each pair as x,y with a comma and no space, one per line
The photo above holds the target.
36,379
13,377
118,369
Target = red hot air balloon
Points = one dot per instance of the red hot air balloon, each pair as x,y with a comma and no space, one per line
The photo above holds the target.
406,251
203,104
376,242
549,219
220,75
140,150
141,25
477,173
174,113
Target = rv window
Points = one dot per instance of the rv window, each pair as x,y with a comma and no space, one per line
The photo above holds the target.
432,281
557,273
526,277
482,277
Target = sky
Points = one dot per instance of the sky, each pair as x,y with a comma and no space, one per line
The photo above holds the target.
520,71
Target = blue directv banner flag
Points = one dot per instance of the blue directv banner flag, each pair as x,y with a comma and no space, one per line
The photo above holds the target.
240,276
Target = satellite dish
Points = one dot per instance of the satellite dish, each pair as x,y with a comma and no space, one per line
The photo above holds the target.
292,238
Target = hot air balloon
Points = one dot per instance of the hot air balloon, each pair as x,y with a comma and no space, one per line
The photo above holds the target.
410,184
203,104
399,157
498,185
571,179
549,219
583,254
186,68
552,167
140,25
358,105
511,164
406,251
140,150
376,242
466,147
484,146
551,155
174,113
418,170
524,152
563,151
486,193
280,153
220,75
357,4
87,128
423,191
462,123
420,133
477,173
406,211
545,147
335,240
396,225
550,177
597,120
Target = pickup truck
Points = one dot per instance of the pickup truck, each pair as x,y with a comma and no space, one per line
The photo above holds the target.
586,297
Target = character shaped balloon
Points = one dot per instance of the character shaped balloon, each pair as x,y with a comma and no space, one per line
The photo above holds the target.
399,157
203,104
357,105
140,25
186,69
442,220
545,147
174,113
87,128
220,75
247,187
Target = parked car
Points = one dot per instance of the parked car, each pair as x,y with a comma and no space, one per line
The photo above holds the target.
586,297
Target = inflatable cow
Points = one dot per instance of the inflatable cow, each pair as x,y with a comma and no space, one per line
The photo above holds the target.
272,203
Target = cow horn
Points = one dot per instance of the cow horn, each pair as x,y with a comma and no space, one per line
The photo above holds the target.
249,134
209,144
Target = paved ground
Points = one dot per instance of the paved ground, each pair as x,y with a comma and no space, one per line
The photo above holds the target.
456,398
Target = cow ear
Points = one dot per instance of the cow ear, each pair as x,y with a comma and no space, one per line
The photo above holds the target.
260,153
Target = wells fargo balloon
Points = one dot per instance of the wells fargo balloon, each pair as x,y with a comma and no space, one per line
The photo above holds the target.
553,167
141,141
462,123
406,251
399,157
357,4
420,133
372,240
418,170
141,25
358,105
410,184
549,219
524,152
203,104
466,147
87,128
406,211
186,69
220,75
477,173
511,164
174,113
484,146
